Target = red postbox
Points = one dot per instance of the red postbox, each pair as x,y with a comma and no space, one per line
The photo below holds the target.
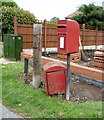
55,78
68,36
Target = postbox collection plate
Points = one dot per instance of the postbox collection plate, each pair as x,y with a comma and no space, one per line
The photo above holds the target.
55,78
56,82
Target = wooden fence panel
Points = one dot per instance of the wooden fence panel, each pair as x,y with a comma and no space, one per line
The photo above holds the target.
51,37
92,37
27,32
88,37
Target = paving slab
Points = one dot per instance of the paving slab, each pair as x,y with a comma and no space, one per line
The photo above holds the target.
6,113
6,61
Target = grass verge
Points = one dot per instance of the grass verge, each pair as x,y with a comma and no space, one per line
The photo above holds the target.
33,103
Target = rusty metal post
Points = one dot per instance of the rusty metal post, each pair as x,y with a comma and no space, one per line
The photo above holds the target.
25,67
37,52
68,78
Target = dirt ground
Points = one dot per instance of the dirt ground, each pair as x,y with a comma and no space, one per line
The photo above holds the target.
81,91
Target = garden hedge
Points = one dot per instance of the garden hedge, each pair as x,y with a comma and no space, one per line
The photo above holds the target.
8,14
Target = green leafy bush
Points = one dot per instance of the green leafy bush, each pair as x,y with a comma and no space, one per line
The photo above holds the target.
9,3
8,14
91,15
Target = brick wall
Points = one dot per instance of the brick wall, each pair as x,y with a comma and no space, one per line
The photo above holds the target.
79,69
83,71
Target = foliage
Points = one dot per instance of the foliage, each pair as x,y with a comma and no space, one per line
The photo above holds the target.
54,19
91,15
9,3
8,14
34,103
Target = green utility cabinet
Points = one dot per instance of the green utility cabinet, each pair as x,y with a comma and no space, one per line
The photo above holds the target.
12,46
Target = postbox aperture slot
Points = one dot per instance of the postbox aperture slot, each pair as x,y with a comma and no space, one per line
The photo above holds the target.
61,26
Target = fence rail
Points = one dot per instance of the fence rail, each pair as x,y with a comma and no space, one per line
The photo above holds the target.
89,35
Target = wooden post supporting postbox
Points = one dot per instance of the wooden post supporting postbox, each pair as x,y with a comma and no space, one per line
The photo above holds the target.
37,51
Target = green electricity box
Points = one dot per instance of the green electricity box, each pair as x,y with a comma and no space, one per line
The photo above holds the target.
12,46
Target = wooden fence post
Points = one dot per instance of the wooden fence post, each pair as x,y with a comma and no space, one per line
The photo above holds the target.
15,25
83,37
37,51
96,37
45,35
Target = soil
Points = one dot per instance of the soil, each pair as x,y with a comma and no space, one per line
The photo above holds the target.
81,91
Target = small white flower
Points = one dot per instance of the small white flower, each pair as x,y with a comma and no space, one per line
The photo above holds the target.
19,104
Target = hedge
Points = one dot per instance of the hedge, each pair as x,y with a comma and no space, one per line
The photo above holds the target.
8,14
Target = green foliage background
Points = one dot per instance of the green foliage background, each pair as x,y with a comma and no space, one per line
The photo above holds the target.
91,15
9,10
54,19
9,3
8,14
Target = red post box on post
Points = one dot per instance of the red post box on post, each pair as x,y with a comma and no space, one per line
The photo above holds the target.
68,36
68,42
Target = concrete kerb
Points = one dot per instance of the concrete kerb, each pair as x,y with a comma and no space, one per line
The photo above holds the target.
7,113
6,61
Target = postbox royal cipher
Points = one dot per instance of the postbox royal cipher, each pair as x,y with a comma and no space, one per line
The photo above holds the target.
68,36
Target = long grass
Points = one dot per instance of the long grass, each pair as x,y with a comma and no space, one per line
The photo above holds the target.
34,103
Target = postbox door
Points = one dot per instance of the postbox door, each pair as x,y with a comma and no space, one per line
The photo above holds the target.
73,37
56,82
